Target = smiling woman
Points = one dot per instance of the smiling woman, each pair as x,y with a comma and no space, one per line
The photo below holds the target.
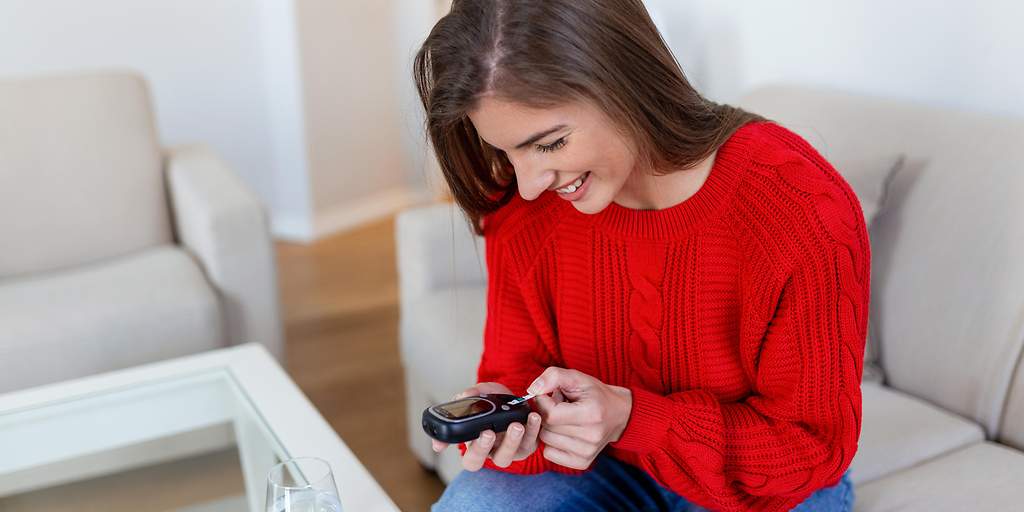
508,86
682,284
582,156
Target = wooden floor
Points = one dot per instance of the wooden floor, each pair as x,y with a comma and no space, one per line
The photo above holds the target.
340,302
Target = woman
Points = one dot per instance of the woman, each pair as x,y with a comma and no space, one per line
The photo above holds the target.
683,284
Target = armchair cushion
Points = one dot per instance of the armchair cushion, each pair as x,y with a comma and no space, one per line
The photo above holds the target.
145,307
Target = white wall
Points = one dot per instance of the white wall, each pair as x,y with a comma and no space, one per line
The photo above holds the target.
964,55
414,21
309,101
359,156
221,72
292,203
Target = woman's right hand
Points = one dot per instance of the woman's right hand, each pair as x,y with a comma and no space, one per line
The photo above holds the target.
504,448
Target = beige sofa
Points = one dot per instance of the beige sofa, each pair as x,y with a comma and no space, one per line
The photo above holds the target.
943,421
114,251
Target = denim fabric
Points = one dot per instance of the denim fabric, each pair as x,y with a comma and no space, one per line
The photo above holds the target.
610,485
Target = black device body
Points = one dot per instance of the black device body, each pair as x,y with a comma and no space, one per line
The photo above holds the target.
462,420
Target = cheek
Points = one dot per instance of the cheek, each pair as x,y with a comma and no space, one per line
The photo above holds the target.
611,170
602,164
613,160
610,175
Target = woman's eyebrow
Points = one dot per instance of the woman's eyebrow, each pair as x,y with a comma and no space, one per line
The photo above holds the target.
540,135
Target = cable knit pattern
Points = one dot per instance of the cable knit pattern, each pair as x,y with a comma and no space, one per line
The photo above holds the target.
645,350
737,318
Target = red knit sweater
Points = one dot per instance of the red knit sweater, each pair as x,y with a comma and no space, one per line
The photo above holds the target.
737,318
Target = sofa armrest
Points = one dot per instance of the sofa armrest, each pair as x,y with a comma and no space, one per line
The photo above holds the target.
436,250
224,225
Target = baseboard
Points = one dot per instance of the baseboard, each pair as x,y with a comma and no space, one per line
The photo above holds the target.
291,228
347,216
368,209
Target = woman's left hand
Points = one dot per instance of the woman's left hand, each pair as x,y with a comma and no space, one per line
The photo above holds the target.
592,415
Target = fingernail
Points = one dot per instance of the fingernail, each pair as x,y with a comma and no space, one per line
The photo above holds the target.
534,419
536,387
516,429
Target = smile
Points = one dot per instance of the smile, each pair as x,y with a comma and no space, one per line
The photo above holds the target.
574,186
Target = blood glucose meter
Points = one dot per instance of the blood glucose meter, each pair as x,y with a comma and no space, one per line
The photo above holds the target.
462,420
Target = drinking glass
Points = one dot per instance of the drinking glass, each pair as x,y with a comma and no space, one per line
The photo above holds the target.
302,484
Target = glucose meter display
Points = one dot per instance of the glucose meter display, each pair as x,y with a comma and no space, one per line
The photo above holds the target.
464,408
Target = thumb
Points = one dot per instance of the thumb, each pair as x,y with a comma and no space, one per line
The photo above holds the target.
555,378
470,391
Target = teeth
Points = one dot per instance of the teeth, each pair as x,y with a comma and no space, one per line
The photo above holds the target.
569,189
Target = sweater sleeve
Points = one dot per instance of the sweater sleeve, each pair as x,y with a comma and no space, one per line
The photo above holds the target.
798,432
514,352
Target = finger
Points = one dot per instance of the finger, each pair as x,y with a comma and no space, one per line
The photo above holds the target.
529,441
557,396
552,379
564,458
478,451
503,455
567,444
438,446
470,391
587,434
492,388
544,404
569,413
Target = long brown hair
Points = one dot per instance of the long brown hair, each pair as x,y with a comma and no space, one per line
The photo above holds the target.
542,53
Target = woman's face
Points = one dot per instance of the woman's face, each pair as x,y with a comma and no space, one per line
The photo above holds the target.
553,149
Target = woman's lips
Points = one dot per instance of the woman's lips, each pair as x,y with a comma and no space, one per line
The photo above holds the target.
580,191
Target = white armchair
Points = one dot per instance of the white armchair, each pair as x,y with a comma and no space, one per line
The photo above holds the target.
115,252
443,281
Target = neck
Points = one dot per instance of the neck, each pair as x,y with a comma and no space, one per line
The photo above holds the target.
645,190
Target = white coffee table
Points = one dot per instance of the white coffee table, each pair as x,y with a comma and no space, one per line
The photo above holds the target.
108,424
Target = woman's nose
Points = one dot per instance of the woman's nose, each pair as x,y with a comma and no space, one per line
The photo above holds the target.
533,184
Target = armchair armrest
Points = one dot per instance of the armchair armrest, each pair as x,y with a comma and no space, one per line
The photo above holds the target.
224,225
436,250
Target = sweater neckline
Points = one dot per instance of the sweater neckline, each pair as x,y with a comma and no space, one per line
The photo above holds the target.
684,217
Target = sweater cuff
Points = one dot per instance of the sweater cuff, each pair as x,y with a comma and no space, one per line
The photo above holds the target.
649,421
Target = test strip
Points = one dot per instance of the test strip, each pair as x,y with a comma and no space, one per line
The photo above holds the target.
520,400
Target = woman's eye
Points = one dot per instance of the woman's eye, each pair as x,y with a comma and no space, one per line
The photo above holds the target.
544,148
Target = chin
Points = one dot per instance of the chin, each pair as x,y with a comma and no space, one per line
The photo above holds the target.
590,207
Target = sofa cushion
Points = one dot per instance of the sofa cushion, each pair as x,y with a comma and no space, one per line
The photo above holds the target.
442,338
899,431
982,477
80,171
127,311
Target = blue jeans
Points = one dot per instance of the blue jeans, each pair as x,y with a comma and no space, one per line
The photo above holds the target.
610,485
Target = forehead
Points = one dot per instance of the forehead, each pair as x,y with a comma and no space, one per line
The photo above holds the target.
505,124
